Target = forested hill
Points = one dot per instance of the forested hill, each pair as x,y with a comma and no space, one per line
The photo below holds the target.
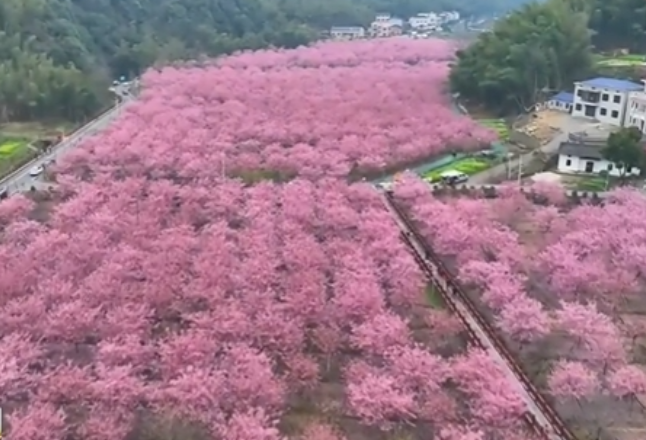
59,55
543,48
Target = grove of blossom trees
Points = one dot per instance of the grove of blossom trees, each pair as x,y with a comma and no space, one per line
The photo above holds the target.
563,283
159,296
331,109
231,309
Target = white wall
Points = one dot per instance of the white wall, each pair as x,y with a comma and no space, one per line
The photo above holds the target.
348,33
559,105
424,21
573,164
636,111
604,108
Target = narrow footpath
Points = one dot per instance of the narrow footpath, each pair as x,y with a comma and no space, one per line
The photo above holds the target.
542,417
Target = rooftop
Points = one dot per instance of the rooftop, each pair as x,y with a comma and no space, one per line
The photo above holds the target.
581,150
612,83
565,97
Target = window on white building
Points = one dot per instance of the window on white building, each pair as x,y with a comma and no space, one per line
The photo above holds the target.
578,106
604,97
610,167
615,114
603,111
568,163
617,99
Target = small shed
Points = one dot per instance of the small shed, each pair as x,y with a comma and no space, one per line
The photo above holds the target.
562,101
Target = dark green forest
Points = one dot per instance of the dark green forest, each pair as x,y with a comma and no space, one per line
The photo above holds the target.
58,56
542,48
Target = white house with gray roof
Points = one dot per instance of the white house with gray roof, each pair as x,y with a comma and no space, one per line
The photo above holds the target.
585,157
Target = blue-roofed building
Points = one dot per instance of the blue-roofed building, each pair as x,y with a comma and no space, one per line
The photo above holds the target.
562,101
603,99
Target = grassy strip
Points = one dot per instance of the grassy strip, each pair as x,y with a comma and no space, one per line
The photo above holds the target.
10,163
620,60
497,125
468,166
434,298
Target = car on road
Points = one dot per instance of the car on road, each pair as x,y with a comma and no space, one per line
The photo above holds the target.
453,177
36,171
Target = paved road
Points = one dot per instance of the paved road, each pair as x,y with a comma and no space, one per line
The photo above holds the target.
486,341
21,180
570,125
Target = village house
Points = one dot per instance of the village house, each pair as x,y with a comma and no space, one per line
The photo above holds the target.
585,157
386,26
432,21
425,22
603,99
347,32
636,111
562,101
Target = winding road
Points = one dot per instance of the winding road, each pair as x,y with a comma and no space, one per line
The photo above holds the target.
21,179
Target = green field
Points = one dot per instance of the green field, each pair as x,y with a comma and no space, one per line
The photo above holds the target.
497,125
10,147
468,165
620,60
434,298
14,152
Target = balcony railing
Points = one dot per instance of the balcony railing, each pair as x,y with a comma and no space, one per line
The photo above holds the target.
593,98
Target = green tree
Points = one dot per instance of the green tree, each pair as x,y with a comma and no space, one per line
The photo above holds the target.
626,149
539,48
618,24
58,56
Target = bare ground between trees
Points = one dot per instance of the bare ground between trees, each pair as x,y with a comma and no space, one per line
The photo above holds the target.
325,404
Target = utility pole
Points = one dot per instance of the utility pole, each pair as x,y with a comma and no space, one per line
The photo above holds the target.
223,170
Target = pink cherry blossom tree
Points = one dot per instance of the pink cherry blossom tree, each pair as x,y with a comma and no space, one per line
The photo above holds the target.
573,380
556,279
208,260
627,381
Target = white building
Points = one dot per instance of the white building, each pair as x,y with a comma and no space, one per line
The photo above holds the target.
562,101
425,22
431,21
603,99
636,111
450,16
386,26
577,157
347,32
